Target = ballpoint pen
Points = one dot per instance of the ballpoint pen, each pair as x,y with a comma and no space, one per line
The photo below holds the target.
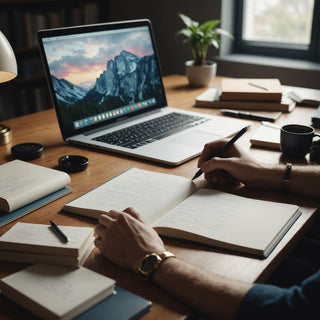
59,231
246,115
224,149
258,86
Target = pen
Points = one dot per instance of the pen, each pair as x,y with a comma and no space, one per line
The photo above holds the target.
224,149
246,115
59,231
258,86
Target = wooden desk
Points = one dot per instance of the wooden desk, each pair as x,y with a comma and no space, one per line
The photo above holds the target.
42,127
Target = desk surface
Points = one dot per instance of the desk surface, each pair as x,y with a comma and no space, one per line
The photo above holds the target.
42,127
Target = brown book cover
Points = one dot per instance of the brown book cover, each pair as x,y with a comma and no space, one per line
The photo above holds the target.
211,98
251,89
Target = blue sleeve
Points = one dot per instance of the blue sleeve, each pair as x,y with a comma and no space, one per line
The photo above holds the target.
264,301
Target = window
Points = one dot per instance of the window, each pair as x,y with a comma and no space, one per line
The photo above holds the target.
287,28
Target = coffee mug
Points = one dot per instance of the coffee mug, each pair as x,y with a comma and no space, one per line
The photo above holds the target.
296,140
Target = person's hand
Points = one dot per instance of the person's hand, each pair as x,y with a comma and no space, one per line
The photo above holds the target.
125,239
233,167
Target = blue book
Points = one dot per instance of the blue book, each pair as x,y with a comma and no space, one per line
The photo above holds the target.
123,305
6,218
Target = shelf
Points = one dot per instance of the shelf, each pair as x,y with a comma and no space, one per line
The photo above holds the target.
20,21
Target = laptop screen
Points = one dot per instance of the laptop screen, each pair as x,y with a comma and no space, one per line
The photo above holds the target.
100,73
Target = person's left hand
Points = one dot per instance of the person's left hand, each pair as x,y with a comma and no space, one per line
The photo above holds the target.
125,239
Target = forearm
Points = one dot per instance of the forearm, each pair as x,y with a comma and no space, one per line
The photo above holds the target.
207,293
304,180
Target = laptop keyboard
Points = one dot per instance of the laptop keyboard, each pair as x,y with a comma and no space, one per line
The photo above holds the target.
151,130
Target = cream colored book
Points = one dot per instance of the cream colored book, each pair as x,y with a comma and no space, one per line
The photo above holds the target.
268,89
38,243
304,96
33,258
267,135
175,207
22,183
56,292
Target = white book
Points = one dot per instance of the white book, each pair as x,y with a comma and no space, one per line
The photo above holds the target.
33,258
32,243
22,183
175,207
267,135
56,292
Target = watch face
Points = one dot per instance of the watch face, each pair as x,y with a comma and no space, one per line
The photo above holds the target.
149,263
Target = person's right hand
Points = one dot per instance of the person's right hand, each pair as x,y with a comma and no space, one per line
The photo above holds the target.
125,239
235,165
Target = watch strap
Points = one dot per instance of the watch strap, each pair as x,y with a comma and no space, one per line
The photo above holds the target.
287,176
159,259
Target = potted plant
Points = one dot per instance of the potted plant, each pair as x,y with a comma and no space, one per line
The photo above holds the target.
200,71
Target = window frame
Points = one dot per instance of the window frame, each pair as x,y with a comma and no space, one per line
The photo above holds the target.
275,49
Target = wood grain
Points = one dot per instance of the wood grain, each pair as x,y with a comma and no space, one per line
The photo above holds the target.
42,127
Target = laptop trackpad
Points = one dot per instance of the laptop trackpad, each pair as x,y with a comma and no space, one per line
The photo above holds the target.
195,138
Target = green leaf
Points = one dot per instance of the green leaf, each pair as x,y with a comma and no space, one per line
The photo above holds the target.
215,43
201,37
224,33
209,25
186,20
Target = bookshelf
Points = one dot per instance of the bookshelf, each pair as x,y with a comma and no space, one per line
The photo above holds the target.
19,21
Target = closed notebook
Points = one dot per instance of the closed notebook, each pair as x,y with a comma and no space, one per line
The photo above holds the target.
120,306
38,243
211,98
251,89
267,136
56,292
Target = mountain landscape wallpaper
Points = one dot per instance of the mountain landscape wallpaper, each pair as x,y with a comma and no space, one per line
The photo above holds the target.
91,75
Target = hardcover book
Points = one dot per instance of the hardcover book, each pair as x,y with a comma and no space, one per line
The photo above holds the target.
38,243
211,98
25,187
56,292
251,89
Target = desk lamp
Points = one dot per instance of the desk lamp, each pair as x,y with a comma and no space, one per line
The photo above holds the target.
8,71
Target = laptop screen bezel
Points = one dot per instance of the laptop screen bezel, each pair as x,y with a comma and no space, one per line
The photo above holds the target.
67,133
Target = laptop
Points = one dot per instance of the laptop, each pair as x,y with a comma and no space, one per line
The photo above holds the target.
106,86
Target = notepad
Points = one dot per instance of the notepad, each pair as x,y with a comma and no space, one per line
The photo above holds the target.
267,136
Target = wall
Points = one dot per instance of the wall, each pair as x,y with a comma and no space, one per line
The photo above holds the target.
163,15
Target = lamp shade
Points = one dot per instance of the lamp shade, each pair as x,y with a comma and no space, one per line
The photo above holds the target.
8,63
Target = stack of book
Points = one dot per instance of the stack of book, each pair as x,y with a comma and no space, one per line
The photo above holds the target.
38,243
247,94
57,286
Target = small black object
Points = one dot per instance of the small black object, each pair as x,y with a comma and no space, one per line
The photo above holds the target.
73,163
316,118
315,152
27,151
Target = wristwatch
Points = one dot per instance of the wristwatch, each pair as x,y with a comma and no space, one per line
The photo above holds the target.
152,261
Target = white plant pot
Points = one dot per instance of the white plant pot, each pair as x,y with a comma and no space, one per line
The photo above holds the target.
200,76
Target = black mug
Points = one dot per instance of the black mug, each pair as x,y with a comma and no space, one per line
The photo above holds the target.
296,140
